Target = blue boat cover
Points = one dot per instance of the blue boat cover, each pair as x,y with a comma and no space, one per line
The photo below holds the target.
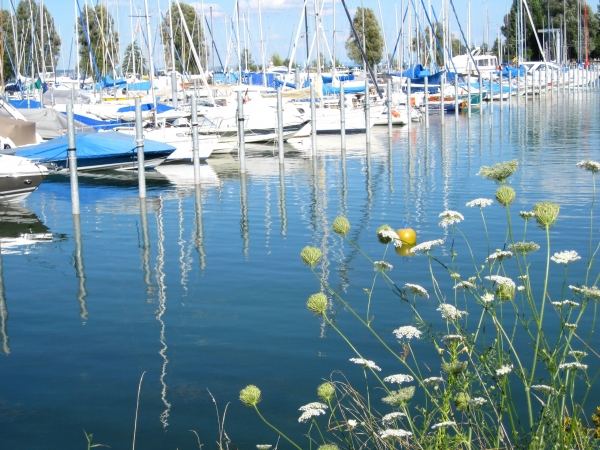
139,86
89,146
329,89
25,104
109,82
348,77
98,125
160,108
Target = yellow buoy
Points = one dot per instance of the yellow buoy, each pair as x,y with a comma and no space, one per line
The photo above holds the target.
405,250
407,236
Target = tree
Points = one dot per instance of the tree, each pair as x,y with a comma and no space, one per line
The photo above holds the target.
276,59
34,49
133,58
182,45
424,46
373,40
98,42
457,47
247,61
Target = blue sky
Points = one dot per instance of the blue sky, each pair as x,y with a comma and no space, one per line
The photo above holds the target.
280,20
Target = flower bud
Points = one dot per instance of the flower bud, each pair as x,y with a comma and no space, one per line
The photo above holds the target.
250,395
461,401
341,225
310,255
505,195
546,213
326,391
317,303
505,292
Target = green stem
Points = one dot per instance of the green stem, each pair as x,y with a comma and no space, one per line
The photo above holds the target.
280,433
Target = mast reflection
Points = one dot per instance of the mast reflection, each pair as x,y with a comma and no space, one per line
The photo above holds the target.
282,201
244,223
146,248
3,312
79,267
199,238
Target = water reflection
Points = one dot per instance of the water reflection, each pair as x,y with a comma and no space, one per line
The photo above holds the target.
199,237
3,312
79,267
282,201
244,222
162,308
21,229
145,248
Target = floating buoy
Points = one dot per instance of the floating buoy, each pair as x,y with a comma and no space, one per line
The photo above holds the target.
408,236
405,250
395,113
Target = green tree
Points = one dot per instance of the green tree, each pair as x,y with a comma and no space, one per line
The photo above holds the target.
424,46
276,59
98,25
247,61
7,47
458,48
373,39
195,27
133,57
34,49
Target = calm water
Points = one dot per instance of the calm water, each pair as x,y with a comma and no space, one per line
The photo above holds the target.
213,298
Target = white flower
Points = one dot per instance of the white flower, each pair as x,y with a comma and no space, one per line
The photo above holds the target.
527,215
481,202
394,434
570,303
352,423
501,280
455,275
408,332
426,246
387,234
487,298
365,362
464,285
520,288
263,446
592,292
499,255
392,416
477,402
450,423
573,366
432,381
399,379
313,405
450,217
382,265
571,326
590,166
545,389
577,354
452,338
523,277
565,257
504,370
416,290
449,312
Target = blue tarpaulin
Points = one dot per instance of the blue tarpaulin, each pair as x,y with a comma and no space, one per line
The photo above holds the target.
109,82
97,125
329,89
160,108
349,77
256,79
139,86
25,104
90,146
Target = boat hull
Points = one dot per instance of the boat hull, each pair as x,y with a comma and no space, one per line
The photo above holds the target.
19,177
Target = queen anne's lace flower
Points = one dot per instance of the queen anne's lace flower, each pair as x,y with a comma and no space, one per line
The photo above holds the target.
453,338
433,381
565,257
382,266
426,246
570,303
408,332
477,402
392,416
450,313
524,247
520,288
573,366
527,215
501,280
571,326
366,363
399,397
464,285
416,290
577,354
313,405
352,423
487,298
263,446
544,389
398,379
385,434
449,423
504,370
499,256
588,292
481,202
450,217
590,166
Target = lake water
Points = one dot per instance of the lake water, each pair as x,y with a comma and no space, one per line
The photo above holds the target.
213,298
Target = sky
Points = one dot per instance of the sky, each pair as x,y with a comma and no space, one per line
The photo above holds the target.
280,21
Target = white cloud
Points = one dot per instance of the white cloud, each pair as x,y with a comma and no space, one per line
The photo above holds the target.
217,10
267,5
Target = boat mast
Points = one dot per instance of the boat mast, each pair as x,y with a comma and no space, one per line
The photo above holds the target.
262,46
151,62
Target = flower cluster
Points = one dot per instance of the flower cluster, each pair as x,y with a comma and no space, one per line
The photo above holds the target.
433,381
399,397
590,166
385,434
570,303
450,313
565,257
524,247
500,171
450,217
481,202
398,379
366,363
426,246
392,416
464,285
452,338
589,292
503,281
386,234
504,370
544,389
526,215
416,290
577,354
487,298
449,423
573,366
408,332
499,256
311,410
382,266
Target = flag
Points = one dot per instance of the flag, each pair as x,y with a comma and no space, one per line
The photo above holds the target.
138,27
303,36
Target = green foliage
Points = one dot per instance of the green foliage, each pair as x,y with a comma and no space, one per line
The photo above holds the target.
182,45
372,37
133,58
247,61
423,42
18,28
276,60
103,40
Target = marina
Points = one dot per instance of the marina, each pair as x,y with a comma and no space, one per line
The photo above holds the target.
201,287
